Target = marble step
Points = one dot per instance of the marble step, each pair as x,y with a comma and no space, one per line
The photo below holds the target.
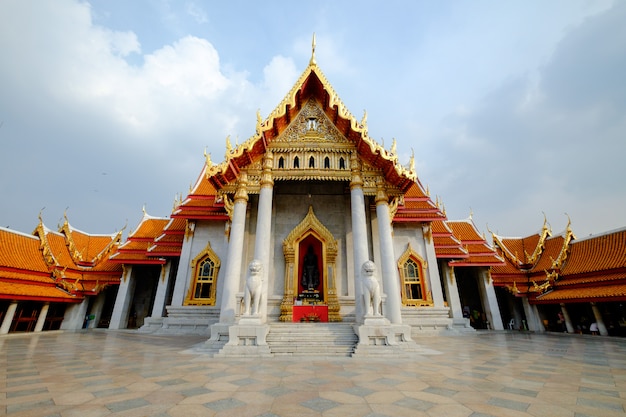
308,339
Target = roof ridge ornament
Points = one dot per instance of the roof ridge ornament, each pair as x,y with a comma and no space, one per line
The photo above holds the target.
312,61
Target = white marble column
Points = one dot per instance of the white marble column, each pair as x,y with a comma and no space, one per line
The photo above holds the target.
96,309
359,233
599,320
490,302
183,275
391,280
452,293
262,241
568,321
8,318
41,319
232,273
74,316
532,317
433,268
161,293
121,309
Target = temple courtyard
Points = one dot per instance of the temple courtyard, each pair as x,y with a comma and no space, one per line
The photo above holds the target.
124,373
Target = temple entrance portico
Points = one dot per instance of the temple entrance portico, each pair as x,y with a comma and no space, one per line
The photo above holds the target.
310,252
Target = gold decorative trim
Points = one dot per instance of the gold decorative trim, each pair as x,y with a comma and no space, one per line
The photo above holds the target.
409,253
207,252
241,195
428,232
310,225
289,102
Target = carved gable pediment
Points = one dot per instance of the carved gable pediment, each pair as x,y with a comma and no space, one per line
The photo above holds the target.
311,125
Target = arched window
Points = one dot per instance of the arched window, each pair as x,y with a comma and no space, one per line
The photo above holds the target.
281,162
327,162
342,163
412,281
205,267
413,285
296,162
311,162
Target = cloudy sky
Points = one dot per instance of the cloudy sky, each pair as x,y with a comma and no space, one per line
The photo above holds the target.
513,109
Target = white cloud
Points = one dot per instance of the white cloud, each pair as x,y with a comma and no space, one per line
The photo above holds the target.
552,143
75,108
196,12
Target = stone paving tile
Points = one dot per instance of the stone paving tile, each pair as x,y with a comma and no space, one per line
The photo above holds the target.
489,374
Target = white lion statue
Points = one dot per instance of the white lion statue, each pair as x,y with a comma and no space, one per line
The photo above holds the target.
254,288
371,289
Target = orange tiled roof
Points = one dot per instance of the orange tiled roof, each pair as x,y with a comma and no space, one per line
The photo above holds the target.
615,292
135,249
524,252
446,244
10,274
170,243
597,253
418,207
202,202
34,266
24,291
553,247
480,252
88,249
21,251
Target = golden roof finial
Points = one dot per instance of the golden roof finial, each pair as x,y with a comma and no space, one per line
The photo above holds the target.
393,146
144,209
312,61
412,161
471,215
229,147
364,120
259,121
207,157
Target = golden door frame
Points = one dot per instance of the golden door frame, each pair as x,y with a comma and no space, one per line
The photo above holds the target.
310,225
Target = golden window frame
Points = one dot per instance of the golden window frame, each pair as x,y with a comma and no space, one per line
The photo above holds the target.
410,255
197,264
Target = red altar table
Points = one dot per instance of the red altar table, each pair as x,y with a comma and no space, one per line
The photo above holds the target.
303,311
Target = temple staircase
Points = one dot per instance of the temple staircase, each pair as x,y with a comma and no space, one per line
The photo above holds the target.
311,339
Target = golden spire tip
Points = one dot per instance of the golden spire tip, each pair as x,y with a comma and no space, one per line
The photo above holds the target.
312,61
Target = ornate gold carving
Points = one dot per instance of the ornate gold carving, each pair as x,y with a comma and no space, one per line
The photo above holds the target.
355,168
393,207
206,252
381,192
266,176
207,158
189,228
310,225
241,195
428,232
409,253
229,148
312,127
229,206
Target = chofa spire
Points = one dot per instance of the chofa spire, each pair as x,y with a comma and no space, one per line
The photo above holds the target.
312,61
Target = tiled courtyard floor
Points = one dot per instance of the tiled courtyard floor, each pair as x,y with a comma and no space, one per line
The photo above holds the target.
107,373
